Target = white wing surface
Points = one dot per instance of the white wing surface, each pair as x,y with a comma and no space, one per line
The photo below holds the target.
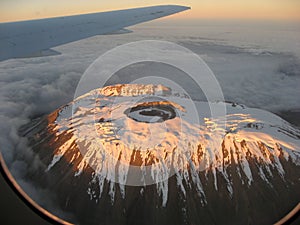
25,38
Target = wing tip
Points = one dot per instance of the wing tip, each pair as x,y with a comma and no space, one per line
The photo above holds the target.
182,7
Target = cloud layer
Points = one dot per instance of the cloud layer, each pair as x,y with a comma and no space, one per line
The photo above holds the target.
33,87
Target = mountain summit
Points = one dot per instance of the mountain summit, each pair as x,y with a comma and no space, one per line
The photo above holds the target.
147,154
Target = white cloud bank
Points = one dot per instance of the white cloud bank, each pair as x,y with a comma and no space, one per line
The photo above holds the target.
33,87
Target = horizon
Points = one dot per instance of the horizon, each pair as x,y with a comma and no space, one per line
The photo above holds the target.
267,10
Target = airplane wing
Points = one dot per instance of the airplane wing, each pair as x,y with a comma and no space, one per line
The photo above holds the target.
25,38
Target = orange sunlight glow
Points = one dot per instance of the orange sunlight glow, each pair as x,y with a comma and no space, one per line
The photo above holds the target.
232,9
136,143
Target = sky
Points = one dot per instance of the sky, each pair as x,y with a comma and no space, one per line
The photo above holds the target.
14,10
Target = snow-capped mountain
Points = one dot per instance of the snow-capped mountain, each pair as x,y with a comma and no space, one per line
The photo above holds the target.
146,154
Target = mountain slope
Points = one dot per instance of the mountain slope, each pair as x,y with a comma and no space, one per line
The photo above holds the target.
146,154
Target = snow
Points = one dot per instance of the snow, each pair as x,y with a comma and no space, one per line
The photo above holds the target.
55,159
174,143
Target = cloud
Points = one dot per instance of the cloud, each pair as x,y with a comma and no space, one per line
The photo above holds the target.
290,68
263,80
30,88
33,87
